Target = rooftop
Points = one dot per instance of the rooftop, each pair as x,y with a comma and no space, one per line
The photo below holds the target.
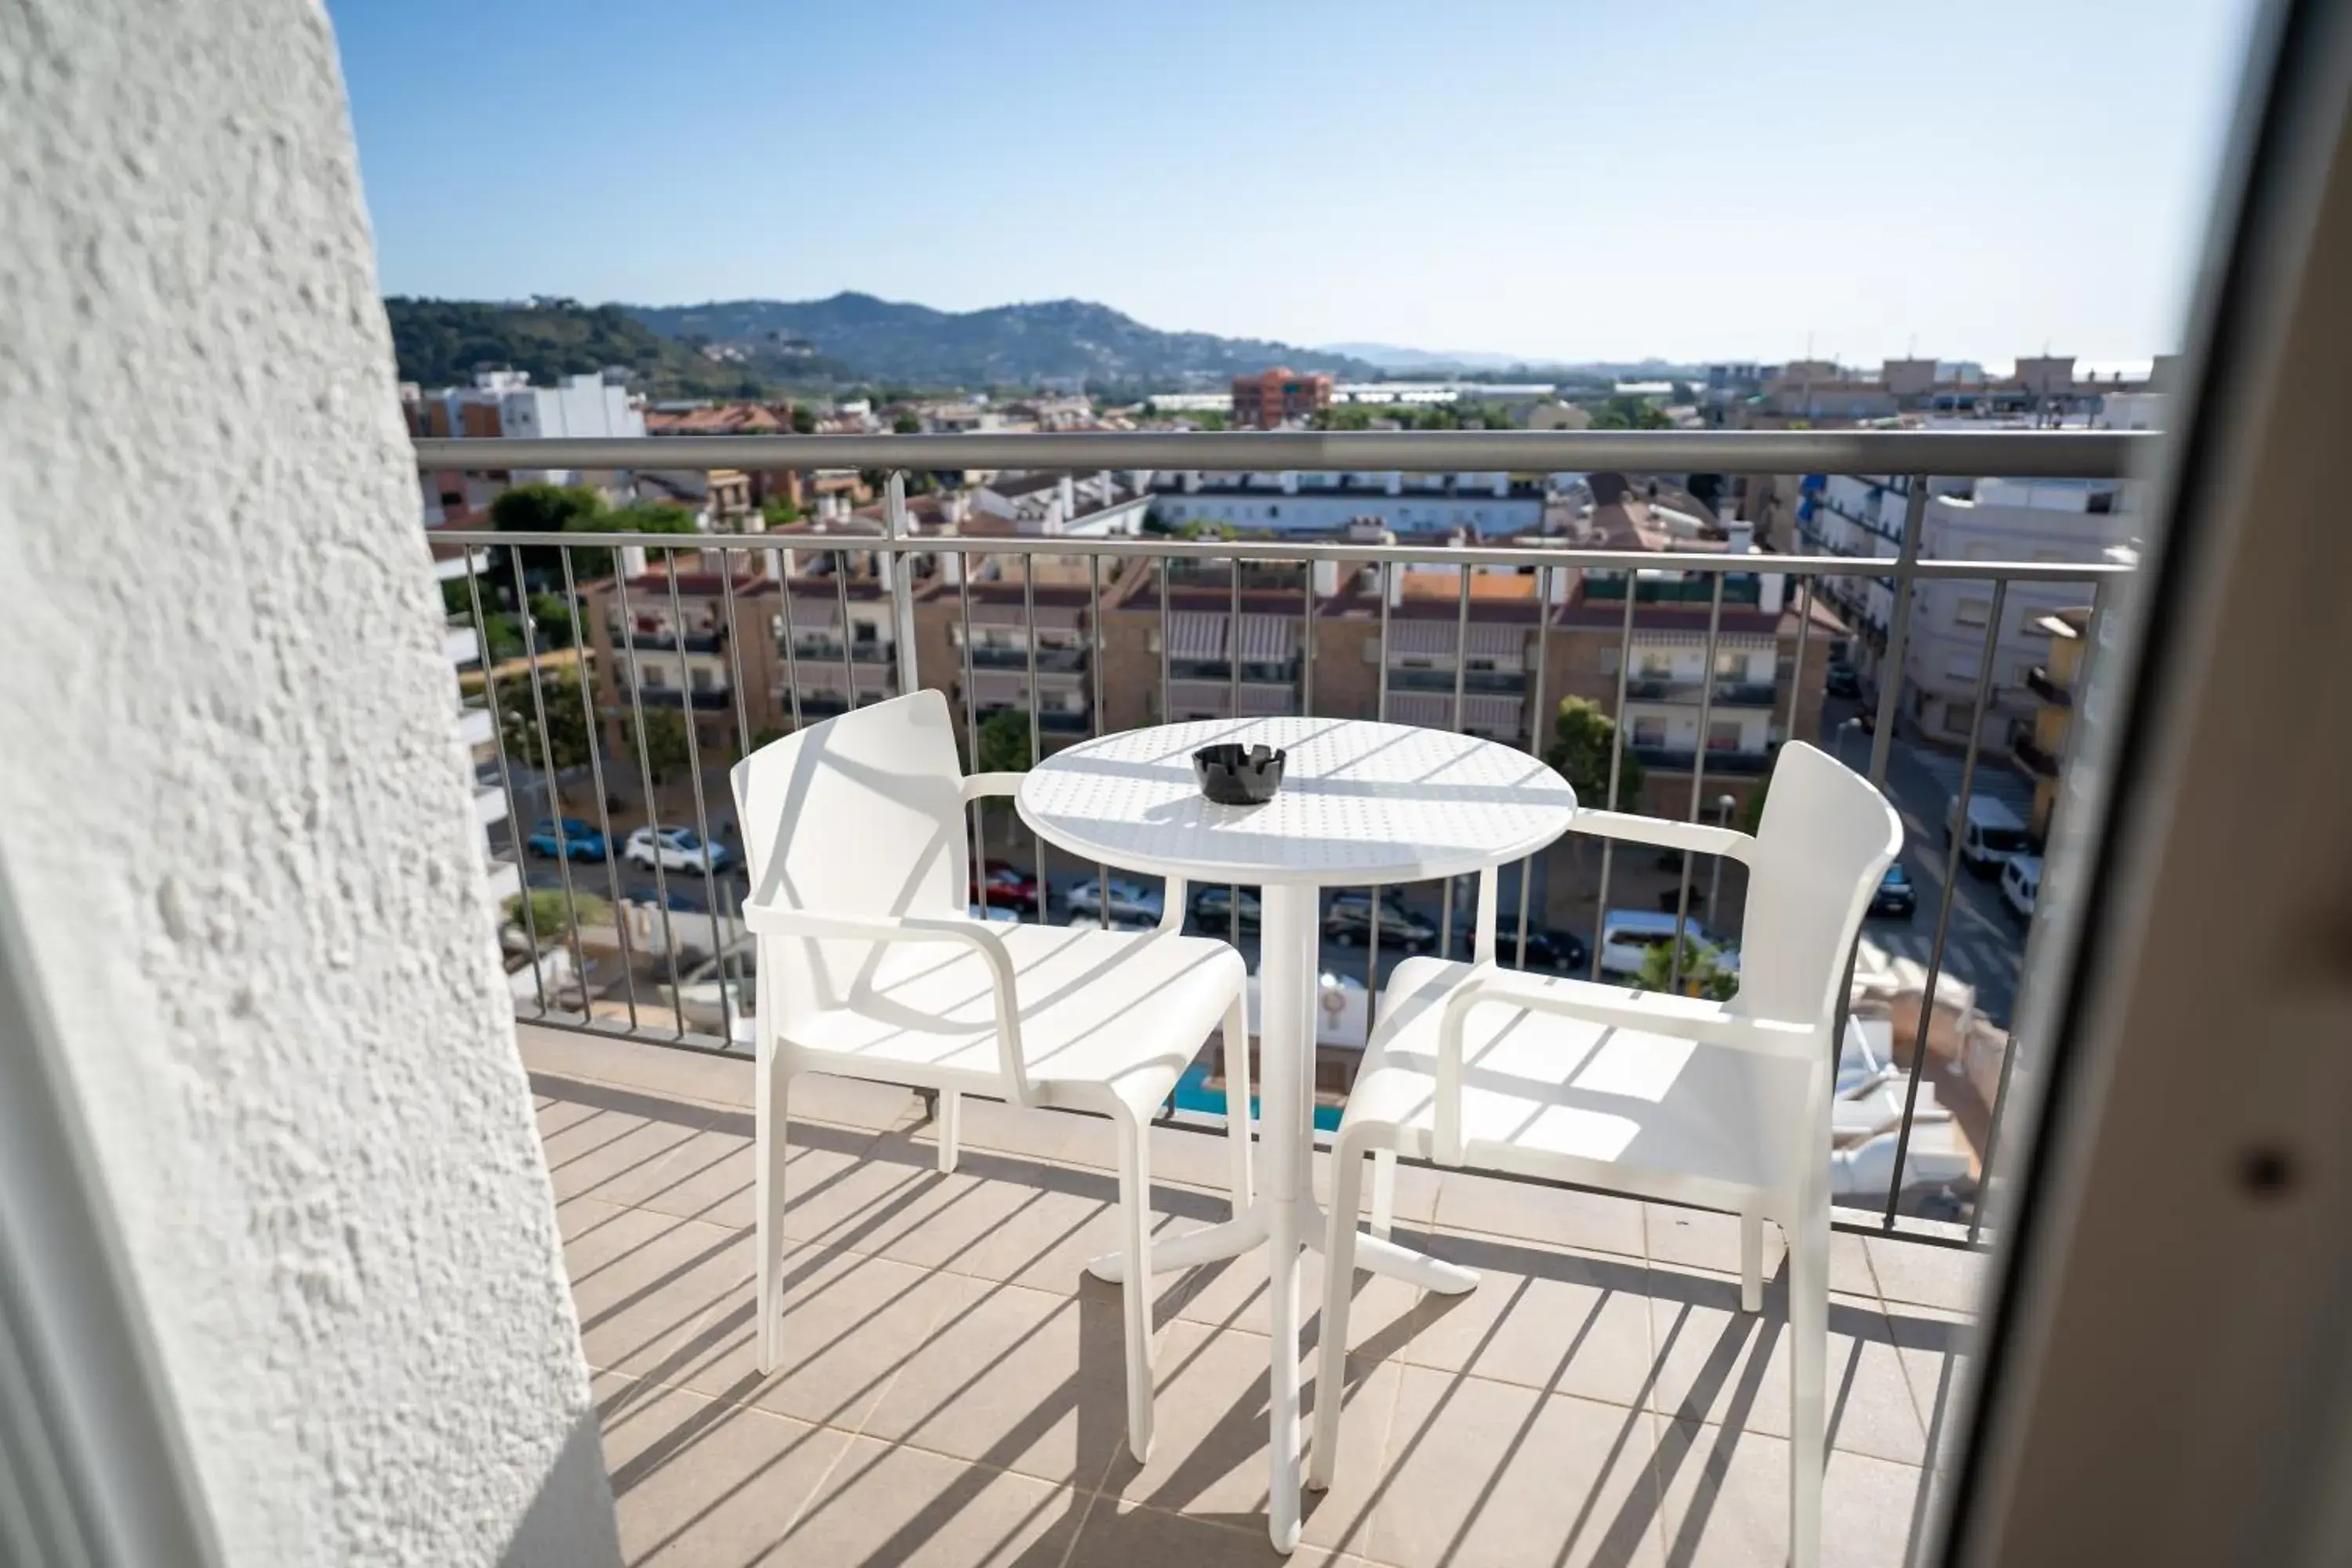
951,1385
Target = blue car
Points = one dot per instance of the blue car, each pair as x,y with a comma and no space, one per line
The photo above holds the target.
1895,896
580,841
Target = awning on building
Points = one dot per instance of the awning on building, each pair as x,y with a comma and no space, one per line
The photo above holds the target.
1198,700
1429,709
1000,688
1268,639
1498,718
1196,636
1263,699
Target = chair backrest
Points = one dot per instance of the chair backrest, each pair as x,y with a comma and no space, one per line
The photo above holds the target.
1825,840
861,815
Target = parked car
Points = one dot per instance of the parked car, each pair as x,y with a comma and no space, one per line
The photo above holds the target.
1212,908
1009,887
1348,920
1841,680
2021,885
696,998
1628,935
1895,896
675,849
1561,952
1130,901
1988,837
994,914
580,842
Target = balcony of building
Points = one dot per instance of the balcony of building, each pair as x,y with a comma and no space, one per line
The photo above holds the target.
2038,680
1742,761
2031,755
950,1388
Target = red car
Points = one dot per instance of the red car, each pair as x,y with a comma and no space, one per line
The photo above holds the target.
1009,887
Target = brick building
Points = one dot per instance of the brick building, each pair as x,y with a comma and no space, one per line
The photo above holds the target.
1272,398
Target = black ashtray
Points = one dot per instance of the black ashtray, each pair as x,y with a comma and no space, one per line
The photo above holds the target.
1239,776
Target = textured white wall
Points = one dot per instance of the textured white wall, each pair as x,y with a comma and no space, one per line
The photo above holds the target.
233,804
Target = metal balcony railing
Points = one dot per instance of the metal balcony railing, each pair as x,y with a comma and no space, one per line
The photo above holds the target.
2038,681
1049,660
693,642
672,696
832,650
621,1009
1728,693
1719,759
2029,752
1505,683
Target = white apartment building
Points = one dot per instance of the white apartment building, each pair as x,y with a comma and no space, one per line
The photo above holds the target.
505,403
1986,519
1298,502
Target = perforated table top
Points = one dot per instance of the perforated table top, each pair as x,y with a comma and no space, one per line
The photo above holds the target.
1361,803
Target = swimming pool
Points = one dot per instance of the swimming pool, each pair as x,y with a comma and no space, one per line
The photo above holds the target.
1193,1093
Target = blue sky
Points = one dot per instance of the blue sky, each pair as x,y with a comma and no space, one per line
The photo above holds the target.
1690,180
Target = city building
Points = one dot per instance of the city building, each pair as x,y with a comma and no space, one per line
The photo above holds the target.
505,403
1278,396
1490,504
2038,743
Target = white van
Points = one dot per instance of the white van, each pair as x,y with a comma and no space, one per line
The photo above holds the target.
1628,935
2021,885
1991,834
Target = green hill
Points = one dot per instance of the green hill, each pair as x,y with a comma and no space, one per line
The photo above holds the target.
441,343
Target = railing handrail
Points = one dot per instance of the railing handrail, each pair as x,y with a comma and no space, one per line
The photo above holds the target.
1432,553
2009,454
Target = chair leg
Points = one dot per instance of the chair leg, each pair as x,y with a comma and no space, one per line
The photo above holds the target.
1282,1392
1751,1263
1339,1295
1383,1193
949,1128
1237,1105
1134,1242
1809,1303
769,1123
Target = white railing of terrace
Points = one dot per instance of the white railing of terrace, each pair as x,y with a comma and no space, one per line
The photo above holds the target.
1916,454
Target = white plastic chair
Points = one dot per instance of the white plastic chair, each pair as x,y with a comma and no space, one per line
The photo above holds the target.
871,967
1719,1105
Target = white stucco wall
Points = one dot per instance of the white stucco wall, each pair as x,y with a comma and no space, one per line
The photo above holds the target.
233,812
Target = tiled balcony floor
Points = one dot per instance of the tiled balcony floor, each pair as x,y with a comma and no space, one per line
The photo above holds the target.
952,1388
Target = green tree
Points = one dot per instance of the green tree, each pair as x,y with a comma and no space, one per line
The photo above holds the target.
502,629
780,512
1004,744
669,745
568,738
541,508
907,424
803,420
1583,740
1703,973
552,916
551,614
638,517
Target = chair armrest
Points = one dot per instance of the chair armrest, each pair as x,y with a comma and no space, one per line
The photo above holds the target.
771,920
1681,1017
1694,838
978,784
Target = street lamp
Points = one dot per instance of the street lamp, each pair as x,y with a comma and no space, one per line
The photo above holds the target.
1723,804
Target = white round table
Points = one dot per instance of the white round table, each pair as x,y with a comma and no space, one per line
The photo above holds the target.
1361,804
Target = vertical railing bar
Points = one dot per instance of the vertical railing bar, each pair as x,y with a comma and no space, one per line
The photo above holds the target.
1381,712
1898,632
1536,734
792,640
1306,642
506,773
1036,744
701,817
1698,775
1797,670
1620,728
1461,681
653,816
1944,905
841,602
734,656
1234,701
966,577
1095,679
554,798
596,779
1166,660
902,582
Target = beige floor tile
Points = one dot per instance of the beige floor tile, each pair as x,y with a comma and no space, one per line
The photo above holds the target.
1727,1501
1232,1294
1192,1159
850,1324
1210,1459
1552,1215
607,1156
1717,1363
1575,1323
1926,1276
642,1280
1936,1348
907,1509
1023,1380
1698,1238
696,1482
1035,1135
1499,1475
701,1076
1123,1535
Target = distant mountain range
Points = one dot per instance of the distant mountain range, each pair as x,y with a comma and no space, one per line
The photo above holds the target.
1006,345
742,348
